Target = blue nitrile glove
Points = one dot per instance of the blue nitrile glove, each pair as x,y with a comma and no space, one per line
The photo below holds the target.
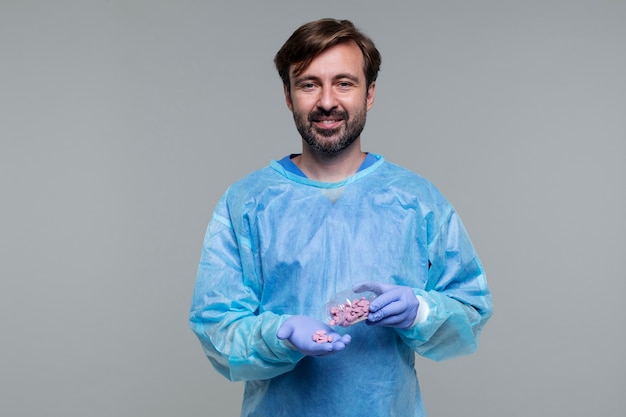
299,330
395,306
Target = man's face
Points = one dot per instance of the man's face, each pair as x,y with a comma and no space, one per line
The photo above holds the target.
329,99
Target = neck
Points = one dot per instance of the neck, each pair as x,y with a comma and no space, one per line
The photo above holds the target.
330,168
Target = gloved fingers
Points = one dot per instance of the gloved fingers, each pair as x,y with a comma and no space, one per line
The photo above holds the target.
312,348
326,349
319,349
311,337
338,346
395,308
401,320
340,342
394,314
285,331
397,294
386,298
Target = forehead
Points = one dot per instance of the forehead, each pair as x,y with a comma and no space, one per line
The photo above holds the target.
345,58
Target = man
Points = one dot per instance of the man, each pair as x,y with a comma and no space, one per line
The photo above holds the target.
284,239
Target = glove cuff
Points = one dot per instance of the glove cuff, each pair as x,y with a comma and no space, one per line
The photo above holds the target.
422,310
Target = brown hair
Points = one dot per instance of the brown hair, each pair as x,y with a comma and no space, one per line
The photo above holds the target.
313,38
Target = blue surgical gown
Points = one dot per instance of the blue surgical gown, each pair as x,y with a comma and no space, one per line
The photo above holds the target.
279,244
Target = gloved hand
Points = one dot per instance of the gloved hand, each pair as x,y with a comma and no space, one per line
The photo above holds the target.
299,331
395,306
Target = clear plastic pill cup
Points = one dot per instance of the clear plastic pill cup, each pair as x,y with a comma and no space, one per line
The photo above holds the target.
347,308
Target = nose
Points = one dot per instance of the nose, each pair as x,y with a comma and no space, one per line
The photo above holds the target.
327,99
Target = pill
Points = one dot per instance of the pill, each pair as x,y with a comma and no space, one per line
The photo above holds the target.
320,336
352,312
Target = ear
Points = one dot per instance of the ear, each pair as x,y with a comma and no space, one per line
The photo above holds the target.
288,98
371,92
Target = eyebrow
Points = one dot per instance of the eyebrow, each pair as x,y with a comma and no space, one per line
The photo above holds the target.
306,77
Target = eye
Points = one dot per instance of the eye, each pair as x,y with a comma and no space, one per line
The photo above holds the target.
307,86
345,85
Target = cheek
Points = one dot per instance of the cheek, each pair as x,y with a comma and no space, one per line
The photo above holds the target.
358,104
300,105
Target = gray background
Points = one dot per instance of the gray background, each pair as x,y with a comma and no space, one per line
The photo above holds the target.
122,122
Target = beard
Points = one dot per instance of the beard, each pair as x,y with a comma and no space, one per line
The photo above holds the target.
330,141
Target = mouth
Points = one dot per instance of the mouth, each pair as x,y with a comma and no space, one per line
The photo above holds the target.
327,121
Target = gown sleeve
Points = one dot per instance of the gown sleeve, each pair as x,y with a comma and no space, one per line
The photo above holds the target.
457,295
239,341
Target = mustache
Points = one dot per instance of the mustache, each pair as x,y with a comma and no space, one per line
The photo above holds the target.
318,114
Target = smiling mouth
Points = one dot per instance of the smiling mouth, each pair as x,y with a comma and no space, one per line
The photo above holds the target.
328,123
330,120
